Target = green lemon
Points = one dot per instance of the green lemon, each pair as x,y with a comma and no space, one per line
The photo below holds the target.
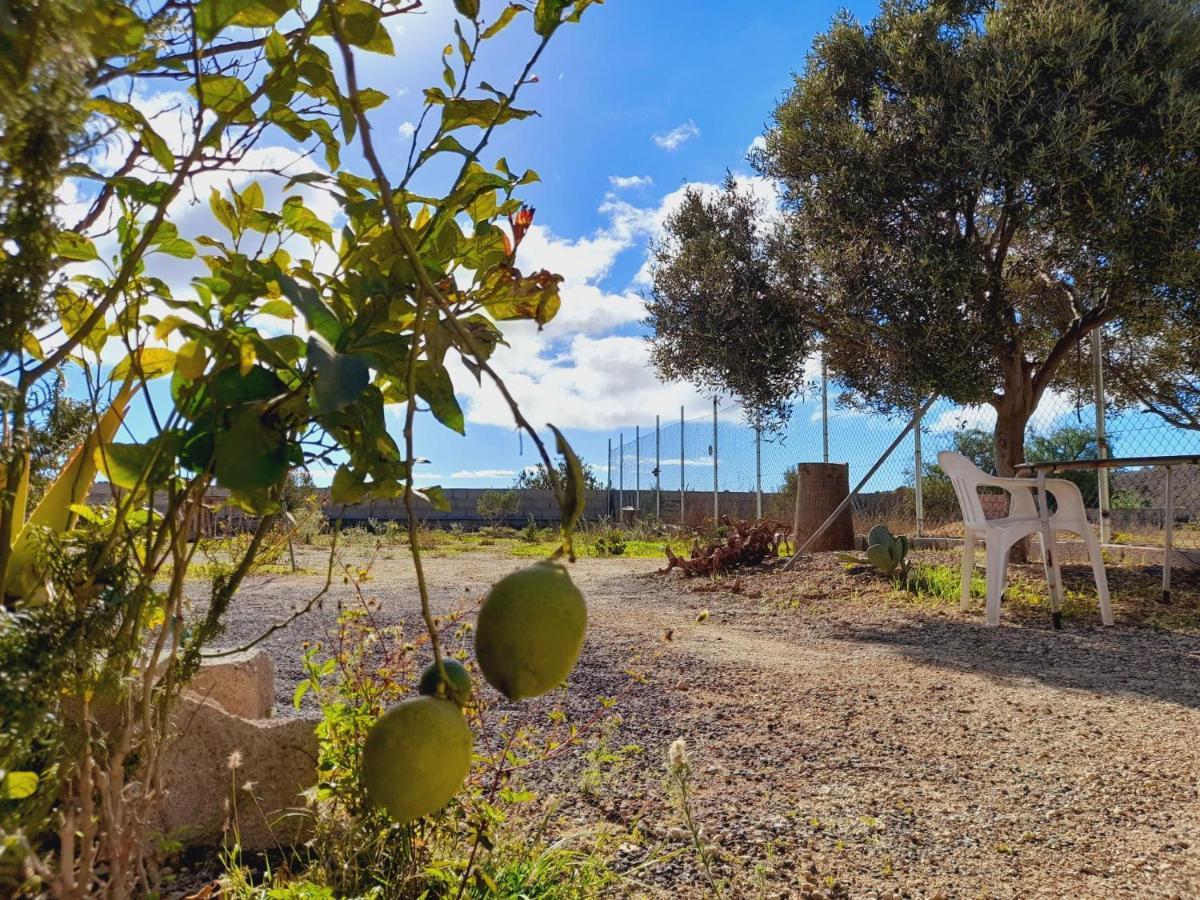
416,757
458,687
530,631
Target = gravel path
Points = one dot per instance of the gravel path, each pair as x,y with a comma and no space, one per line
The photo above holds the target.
846,742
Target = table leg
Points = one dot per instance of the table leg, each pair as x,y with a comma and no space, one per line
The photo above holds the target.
1050,553
1168,536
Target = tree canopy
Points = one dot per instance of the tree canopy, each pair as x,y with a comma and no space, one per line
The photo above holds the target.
969,189
537,477
720,318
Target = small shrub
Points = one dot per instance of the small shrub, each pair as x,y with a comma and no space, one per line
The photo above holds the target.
497,506
531,534
610,543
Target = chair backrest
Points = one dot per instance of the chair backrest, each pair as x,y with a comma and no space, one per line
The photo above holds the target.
966,477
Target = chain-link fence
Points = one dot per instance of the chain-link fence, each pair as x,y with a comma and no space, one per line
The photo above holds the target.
689,466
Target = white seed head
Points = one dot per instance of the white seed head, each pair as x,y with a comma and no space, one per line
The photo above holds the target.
677,755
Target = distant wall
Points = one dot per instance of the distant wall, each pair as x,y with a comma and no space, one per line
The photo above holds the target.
541,505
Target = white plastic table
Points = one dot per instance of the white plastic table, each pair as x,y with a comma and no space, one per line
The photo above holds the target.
1042,469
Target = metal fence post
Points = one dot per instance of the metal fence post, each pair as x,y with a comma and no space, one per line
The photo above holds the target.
682,482
621,467
637,468
1101,437
610,491
716,500
919,468
824,410
657,469
757,470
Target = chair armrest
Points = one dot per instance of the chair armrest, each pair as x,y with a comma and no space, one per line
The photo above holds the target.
1012,485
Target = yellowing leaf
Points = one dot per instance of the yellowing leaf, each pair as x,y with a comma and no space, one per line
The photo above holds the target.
247,358
149,362
18,785
279,308
191,360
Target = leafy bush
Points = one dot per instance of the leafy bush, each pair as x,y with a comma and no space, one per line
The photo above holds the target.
497,506
610,543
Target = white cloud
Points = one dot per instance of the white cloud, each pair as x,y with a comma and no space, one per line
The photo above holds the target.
594,383
484,473
623,182
756,145
674,138
406,130
1052,407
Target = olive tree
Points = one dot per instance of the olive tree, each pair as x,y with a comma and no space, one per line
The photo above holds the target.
1157,366
719,318
970,189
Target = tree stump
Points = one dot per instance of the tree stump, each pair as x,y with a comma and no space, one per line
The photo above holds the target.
820,487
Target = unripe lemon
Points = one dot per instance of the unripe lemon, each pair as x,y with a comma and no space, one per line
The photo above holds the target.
416,757
530,631
458,687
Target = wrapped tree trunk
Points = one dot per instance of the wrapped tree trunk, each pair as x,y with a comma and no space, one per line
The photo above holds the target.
820,487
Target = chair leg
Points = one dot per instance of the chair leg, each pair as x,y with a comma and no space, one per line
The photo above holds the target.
968,569
997,572
1097,558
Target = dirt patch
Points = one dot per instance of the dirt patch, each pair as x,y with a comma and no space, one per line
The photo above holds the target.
849,734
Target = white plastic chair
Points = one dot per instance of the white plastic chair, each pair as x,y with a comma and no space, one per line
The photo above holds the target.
1022,520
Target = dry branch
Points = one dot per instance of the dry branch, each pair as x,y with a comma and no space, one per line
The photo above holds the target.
749,543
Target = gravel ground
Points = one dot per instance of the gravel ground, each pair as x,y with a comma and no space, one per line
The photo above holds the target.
846,741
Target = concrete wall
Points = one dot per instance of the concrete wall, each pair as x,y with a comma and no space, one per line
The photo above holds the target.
541,505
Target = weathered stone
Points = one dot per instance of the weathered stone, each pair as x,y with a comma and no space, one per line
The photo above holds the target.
242,684
268,762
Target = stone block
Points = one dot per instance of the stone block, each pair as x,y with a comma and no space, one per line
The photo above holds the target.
269,763
242,684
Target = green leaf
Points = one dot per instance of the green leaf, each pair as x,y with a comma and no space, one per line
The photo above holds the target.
434,496
298,694
362,25
341,377
302,220
468,8
320,318
113,28
460,112
224,212
250,455
225,95
279,308
132,118
213,15
72,246
435,388
574,495
503,21
547,15
346,487
18,785
371,98
178,247
132,465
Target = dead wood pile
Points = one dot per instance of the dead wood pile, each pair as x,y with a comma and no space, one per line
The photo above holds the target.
748,544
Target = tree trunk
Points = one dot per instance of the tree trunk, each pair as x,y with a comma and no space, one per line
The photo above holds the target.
1012,417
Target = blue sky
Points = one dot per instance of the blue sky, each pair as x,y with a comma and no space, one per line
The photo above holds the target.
640,99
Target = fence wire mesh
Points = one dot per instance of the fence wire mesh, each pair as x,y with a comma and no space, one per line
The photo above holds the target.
690,466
